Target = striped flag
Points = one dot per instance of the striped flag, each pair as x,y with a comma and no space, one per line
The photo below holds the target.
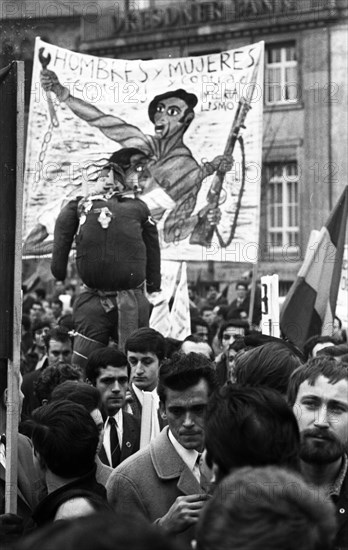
309,308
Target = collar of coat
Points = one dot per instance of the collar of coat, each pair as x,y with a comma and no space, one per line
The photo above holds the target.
169,465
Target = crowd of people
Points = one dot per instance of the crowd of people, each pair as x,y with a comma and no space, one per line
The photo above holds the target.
228,439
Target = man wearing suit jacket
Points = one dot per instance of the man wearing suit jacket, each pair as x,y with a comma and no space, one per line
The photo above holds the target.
163,482
108,371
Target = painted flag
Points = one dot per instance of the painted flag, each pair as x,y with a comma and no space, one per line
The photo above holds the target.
309,308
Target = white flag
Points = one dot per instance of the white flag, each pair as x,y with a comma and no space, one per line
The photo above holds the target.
180,314
160,316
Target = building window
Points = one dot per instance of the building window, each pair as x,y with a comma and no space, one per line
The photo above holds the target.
281,75
282,205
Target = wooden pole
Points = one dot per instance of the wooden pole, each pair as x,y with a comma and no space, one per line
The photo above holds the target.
13,371
252,292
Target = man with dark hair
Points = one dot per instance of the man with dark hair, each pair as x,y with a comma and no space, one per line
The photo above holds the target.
58,344
162,481
107,369
239,308
57,309
318,393
172,165
51,377
248,426
88,396
117,253
228,333
145,350
270,365
230,329
265,508
65,440
36,311
200,329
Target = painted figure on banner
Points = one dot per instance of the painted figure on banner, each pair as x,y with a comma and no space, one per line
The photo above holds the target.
174,176
197,158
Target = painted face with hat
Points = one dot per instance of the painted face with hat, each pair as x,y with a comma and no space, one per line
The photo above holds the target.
172,113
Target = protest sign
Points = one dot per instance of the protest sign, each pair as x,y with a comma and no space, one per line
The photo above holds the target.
183,113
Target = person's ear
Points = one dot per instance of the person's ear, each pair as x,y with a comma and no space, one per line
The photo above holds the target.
162,409
44,402
88,382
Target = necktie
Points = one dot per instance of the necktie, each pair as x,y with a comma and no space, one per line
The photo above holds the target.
114,443
196,469
200,469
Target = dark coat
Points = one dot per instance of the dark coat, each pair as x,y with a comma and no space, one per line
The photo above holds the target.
341,504
85,486
130,439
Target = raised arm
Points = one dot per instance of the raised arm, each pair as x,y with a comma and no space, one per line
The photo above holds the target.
113,127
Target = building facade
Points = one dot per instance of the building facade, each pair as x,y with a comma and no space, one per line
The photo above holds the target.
304,166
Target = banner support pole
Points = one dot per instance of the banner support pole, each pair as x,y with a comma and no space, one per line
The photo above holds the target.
253,292
13,367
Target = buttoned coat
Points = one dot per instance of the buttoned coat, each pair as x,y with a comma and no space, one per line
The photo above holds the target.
149,482
341,504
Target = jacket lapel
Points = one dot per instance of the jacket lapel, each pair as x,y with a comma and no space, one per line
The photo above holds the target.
129,437
169,465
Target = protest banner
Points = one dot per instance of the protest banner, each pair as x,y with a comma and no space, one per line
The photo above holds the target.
184,113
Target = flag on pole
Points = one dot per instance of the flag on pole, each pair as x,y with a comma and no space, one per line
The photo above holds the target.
309,308
180,314
160,316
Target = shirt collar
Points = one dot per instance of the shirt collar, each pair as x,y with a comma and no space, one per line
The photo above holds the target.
336,487
189,456
118,417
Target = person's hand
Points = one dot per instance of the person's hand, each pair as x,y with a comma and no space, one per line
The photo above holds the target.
212,214
223,163
183,513
50,83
